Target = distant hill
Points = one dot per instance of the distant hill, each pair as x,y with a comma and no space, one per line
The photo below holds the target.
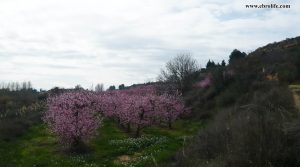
278,60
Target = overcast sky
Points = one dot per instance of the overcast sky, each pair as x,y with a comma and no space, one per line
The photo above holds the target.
68,42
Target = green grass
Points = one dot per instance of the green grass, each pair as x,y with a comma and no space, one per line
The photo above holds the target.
112,147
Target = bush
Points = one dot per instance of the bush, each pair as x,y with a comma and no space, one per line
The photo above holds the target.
288,73
254,134
19,110
16,125
228,97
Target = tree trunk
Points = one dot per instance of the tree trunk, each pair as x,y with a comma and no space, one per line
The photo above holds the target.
170,124
128,127
78,146
137,133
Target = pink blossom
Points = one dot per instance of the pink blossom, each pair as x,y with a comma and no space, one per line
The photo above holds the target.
206,82
72,116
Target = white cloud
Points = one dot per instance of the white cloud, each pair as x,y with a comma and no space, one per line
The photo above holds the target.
69,42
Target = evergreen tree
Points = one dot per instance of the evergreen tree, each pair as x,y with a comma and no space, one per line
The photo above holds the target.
236,55
223,63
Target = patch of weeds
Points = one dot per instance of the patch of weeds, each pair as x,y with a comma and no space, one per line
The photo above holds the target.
132,145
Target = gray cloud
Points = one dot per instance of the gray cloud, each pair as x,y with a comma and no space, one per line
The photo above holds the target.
64,43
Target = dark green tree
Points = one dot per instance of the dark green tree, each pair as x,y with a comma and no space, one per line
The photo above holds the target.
223,63
112,87
236,55
121,87
210,64
78,87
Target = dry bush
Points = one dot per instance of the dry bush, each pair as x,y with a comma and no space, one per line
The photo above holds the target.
255,134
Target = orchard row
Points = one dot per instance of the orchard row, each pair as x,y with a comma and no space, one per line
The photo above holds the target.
76,116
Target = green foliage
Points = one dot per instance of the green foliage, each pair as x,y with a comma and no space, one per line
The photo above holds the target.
132,145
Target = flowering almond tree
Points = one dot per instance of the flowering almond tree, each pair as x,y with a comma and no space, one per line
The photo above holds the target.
169,107
73,117
142,113
140,107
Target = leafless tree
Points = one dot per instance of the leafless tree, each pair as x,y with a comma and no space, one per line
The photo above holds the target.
179,69
99,87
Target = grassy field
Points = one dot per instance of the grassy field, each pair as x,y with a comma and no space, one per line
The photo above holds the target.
112,147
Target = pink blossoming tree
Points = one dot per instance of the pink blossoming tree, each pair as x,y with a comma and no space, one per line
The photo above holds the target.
73,117
141,107
169,108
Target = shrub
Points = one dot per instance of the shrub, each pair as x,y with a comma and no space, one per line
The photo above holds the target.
15,123
227,97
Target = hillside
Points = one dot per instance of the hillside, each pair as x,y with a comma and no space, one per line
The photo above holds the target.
252,113
279,59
